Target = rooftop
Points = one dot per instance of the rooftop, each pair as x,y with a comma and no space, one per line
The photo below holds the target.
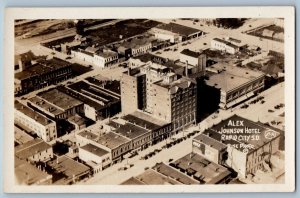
28,174
151,177
94,149
210,141
174,86
110,140
144,120
131,131
59,99
226,42
31,148
106,53
94,91
69,167
231,77
41,68
174,174
206,171
32,114
21,136
190,53
136,42
178,29
132,181
225,127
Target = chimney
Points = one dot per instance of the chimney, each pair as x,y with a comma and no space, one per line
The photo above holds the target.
186,69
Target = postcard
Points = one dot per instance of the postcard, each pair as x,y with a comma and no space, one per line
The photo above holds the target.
144,99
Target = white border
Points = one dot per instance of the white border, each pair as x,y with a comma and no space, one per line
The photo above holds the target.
288,13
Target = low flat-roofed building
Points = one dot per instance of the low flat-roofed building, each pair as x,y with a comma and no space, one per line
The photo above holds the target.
99,57
152,177
160,129
174,174
250,145
98,102
136,47
139,135
175,32
21,136
56,104
117,145
201,169
72,170
35,150
28,174
95,157
40,125
236,84
224,45
78,121
42,74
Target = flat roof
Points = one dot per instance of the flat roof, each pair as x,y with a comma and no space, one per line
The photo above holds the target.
225,127
30,148
207,171
69,167
178,29
94,149
190,53
136,42
106,53
94,91
41,68
32,114
174,86
77,119
174,174
47,106
132,181
151,177
110,140
81,97
25,173
111,85
210,141
59,99
21,136
226,42
131,131
231,77
144,120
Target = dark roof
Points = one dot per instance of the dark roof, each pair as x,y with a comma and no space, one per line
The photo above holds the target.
142,122
179,29
94,149
41,68
190,53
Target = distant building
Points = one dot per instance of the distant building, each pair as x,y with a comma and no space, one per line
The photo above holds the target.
195,59
279,22
42,74
99,58
236,84
28,174
24,60
175,33
135,47
28,118
224,45
55,104
239,143
34,151
71,170
95,157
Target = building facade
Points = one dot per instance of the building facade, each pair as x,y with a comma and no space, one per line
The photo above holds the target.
224,45
39,124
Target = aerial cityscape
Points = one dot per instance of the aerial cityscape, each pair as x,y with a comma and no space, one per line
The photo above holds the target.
183,101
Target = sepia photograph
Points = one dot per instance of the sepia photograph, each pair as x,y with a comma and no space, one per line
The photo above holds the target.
173,98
